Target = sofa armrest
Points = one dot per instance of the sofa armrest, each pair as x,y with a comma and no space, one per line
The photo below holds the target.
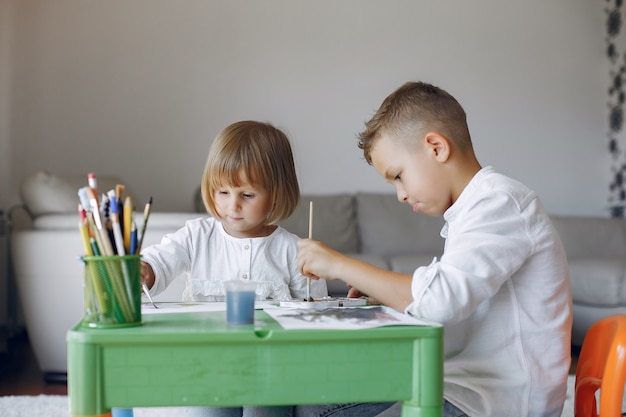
20,218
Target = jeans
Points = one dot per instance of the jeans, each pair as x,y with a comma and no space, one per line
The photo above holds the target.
366,410
286,411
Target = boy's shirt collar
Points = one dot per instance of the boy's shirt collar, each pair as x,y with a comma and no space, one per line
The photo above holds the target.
450,214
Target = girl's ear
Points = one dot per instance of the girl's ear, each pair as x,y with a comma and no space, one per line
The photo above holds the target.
438,145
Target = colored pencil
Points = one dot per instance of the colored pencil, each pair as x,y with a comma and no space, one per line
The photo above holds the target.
128,221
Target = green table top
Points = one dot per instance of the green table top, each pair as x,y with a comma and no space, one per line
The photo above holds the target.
185,327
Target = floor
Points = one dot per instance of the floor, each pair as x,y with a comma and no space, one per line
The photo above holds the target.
20,375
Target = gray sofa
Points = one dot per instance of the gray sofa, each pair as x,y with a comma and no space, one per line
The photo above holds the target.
45,244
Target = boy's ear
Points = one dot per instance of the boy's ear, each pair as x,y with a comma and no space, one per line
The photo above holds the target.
439,145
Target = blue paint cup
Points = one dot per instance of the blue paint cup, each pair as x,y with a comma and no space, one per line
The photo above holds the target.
240,301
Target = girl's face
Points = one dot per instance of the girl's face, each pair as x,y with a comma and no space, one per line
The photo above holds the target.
415,173
243,210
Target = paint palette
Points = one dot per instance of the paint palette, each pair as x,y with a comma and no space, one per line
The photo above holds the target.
326,302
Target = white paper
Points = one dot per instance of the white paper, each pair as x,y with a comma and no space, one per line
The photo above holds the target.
342,318
194,306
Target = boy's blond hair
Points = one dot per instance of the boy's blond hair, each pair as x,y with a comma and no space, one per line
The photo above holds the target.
412,111
258,153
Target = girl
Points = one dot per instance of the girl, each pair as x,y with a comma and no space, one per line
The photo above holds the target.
248,185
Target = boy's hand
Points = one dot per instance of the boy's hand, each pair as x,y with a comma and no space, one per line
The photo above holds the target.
315,260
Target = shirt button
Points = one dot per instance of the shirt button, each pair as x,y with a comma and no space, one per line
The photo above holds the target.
246,247
244,276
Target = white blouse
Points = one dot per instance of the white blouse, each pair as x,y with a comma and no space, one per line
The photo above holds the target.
205,256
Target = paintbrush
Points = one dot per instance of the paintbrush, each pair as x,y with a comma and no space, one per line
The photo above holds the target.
146,215
308,279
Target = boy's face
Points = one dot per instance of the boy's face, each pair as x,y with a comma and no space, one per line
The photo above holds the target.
415,172
243,210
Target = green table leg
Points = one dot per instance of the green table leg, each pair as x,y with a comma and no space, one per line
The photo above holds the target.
90,402
427,398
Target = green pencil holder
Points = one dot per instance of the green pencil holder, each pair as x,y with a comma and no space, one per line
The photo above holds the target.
112,291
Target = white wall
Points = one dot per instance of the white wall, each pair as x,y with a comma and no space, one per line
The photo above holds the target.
141,87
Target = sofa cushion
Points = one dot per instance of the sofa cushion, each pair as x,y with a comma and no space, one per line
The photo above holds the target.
585,237
46,193
371,259
598,282
337,288
407,264
334,221
388,227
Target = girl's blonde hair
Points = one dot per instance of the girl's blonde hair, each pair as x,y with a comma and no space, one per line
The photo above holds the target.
258,153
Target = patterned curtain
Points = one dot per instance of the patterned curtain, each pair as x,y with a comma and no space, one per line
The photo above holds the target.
616,53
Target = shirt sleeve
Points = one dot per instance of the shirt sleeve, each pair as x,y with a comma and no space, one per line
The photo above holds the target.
486,244
170,258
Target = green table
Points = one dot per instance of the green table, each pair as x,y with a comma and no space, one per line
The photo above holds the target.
196,359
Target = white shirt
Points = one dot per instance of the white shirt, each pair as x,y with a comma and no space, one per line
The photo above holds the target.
206,255
502,291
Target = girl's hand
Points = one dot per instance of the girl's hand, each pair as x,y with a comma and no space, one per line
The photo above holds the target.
147,274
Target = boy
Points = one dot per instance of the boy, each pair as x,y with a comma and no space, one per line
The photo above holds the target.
501,288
